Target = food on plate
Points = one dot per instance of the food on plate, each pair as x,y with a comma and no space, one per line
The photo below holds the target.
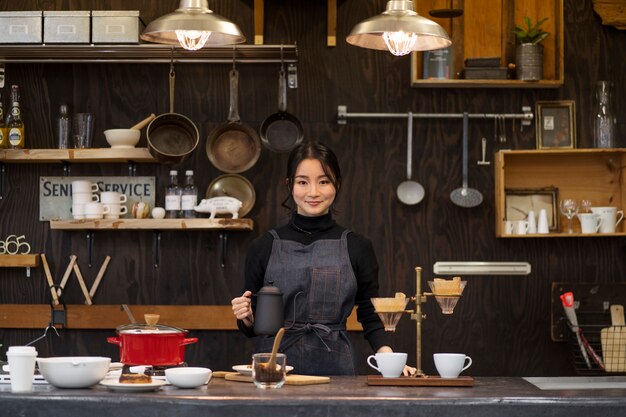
128,377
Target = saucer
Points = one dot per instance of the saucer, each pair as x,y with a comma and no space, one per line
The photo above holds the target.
114,384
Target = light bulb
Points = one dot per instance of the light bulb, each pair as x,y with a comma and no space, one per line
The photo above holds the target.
192,40
399,43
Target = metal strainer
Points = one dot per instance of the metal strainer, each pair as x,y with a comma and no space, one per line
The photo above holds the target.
464,196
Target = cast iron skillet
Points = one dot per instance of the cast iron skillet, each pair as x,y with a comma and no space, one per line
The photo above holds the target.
233,146
282,131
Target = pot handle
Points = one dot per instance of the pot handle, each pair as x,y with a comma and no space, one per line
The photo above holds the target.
189,340
114,341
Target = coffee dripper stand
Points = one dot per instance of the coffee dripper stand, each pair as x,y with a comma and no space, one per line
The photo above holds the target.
390,319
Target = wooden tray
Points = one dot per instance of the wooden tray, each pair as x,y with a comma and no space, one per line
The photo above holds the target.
427,381
290,379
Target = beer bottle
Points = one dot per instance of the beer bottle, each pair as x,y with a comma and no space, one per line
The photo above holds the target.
4,139
14,123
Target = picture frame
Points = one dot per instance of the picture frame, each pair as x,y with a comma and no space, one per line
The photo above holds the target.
555,124
518,202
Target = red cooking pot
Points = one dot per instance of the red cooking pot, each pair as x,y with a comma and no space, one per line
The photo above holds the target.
157,345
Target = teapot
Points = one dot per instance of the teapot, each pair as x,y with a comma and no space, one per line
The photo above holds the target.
268,317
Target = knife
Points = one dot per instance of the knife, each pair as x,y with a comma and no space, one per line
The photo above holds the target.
568,305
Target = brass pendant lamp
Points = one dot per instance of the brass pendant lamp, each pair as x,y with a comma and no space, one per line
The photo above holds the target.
193,26
400,30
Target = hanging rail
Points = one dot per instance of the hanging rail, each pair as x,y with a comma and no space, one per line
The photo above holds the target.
342,115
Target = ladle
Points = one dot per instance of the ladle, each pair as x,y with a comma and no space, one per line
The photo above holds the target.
410,192
464,196
271,365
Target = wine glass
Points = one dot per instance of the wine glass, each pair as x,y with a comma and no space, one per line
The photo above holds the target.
585,206
569,208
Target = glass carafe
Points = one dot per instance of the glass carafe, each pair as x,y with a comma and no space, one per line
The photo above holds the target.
604,121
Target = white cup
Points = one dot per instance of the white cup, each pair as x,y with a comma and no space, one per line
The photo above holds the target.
542,222
520,227
390,364
95,210
532,222
508,227
450,365
112,197
589,222
115,211
78,211
22,367
610,218
84,186
84,198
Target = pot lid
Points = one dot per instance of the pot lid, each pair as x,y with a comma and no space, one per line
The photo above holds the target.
143,328
234,185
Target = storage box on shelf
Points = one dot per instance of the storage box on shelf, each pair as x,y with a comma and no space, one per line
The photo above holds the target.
591,174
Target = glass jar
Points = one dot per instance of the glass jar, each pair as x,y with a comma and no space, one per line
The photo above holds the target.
604,121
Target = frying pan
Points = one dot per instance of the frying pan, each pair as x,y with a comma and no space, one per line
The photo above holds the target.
172,137
233,185
282,131
233,146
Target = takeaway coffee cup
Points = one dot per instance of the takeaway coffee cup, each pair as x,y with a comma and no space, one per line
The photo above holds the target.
611,217
22,367
450,365
390,364
589,222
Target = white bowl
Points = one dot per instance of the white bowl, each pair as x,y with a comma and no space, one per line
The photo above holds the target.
74,371
122,138
188,377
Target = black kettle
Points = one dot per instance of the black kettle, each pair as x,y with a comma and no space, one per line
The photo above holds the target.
268,317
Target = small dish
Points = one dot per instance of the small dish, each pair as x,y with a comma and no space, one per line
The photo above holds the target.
114,384
188,377
246,370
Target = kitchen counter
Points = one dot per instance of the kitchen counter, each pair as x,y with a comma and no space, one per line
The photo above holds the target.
344,396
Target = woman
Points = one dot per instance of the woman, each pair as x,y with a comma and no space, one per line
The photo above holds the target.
322,269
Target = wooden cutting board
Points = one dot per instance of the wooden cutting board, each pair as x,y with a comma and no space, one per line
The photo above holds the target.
429,381
290,380
613,341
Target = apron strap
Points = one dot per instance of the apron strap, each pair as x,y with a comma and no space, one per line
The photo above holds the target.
274,234
298,330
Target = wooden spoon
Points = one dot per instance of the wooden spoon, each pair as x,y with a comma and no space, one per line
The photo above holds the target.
271,365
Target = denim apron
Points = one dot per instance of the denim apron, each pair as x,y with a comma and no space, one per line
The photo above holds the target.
319,288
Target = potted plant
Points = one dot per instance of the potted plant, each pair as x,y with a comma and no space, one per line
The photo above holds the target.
529,52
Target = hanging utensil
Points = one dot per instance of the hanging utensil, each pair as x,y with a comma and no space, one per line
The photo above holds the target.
483,161
410,192
465,196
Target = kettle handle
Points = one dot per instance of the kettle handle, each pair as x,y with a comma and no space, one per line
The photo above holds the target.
188,341
114,341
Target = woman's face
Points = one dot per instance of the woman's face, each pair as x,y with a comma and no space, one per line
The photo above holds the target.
313,191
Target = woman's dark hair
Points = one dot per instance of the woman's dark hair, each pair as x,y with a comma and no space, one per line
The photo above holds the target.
311,150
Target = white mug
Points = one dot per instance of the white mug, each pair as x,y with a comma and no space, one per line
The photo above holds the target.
508,227
84,186
78,211
542,222
520,227
84,198
450,365
390,364
115,211
590,222
610,218
95,210
112,197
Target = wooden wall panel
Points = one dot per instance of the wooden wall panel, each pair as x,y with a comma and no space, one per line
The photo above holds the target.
502,322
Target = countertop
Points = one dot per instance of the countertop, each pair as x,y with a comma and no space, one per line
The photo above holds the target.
344,396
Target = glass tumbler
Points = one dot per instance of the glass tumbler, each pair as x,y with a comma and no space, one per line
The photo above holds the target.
83,130
263,376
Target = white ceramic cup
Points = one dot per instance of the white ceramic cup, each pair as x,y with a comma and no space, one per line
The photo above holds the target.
450,365
84,198
508,227
611,217
390,364
95,210
115,210
112,197
589,222
22,367
78,211
520,227
542,222
84,186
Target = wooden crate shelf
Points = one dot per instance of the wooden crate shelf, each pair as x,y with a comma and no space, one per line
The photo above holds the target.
19,261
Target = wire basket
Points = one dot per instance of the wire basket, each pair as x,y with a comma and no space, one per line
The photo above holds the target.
597,347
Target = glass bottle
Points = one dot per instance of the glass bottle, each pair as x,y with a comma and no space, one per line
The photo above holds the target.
604,121
63,128
4,138
190,196
15,125
172,197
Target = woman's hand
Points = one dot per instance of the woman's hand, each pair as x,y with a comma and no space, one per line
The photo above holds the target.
407,371
242,308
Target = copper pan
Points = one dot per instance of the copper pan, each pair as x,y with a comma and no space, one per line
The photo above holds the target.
233,185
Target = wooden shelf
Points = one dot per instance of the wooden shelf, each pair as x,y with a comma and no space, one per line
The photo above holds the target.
483,32
19,261
153,224
591,174
38,156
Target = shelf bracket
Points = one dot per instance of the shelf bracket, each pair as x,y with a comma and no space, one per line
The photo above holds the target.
2,171
132,168
67,168
224,248
90,238
156,248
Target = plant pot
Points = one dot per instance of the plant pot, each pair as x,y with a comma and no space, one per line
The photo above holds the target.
529,62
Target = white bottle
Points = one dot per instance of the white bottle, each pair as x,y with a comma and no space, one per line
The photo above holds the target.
542,224
190,196
532,223
172,197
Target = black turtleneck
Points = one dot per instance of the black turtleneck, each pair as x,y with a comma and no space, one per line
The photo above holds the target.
307,230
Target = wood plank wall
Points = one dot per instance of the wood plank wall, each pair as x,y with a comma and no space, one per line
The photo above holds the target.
502,322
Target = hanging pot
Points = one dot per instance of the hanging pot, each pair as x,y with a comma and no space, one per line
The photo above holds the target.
233,146
234,185
172,137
